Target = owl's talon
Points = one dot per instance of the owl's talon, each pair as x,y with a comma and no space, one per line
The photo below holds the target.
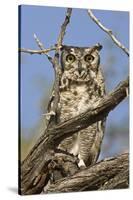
81,164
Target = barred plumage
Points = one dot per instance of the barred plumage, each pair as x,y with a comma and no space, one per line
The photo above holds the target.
82,87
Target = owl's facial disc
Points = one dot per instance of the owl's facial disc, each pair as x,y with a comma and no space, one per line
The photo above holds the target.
80,68
80,64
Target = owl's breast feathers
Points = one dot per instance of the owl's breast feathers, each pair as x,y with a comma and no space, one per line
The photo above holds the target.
77,98
73,101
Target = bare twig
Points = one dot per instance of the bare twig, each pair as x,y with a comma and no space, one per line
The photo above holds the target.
63,27
31,51
108,31
40,45
57,66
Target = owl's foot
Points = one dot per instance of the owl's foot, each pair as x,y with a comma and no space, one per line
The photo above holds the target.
81,164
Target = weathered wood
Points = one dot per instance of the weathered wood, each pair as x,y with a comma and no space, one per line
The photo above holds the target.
110,173
41,154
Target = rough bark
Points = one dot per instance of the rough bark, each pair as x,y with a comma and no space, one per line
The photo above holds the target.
36,163
110,173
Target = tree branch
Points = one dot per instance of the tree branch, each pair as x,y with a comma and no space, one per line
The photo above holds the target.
41,155
31,51
41,162
40,45
101,110
53,136
57,66
63,27
108,31
97,177
55,62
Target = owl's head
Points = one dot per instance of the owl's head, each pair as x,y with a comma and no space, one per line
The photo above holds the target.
80,63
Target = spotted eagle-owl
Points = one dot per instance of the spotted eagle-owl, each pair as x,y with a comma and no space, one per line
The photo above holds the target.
81,88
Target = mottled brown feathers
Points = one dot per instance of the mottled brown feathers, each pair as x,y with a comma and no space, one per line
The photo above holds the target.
81,87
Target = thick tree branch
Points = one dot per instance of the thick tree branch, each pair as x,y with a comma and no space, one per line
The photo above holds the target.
62,32
101,110
40,155
97,177
54,135
108,31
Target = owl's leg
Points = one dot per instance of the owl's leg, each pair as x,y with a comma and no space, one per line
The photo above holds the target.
75,149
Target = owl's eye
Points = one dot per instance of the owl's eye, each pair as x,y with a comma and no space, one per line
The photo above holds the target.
88,58
70,58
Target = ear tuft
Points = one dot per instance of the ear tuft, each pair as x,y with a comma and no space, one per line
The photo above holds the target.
98,46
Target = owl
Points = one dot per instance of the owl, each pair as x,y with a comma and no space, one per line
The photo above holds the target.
82,86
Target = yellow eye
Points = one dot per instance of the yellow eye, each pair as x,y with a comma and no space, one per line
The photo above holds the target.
70,58
88,58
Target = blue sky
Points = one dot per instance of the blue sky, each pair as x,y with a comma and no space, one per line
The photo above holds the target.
36,71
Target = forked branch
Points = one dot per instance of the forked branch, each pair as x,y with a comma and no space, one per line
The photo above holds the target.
57,66
40,45
108,31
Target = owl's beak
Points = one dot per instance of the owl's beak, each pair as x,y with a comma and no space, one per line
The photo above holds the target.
80,67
